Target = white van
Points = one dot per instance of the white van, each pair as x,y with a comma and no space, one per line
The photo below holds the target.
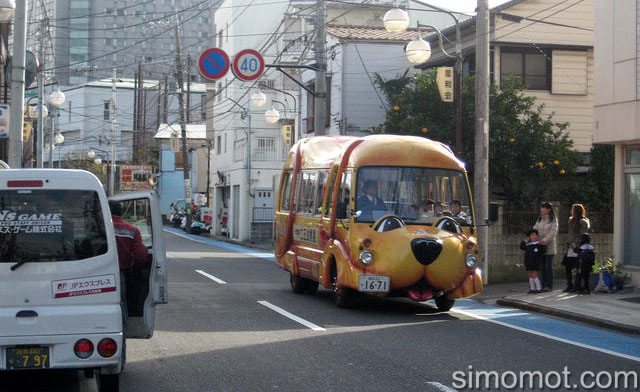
59,275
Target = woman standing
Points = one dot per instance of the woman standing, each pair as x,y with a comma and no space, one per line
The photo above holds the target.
578,225
547,226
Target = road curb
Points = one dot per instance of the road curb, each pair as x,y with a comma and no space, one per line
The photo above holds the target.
524,305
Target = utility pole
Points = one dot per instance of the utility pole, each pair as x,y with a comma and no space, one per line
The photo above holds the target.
189,89
320,98
183,127
16,121
211,134
112,177
481,169
40,130
165,113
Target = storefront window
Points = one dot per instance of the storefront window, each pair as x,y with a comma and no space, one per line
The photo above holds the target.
632,217
632,156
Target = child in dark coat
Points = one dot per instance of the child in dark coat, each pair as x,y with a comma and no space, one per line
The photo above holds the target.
533,256
586,260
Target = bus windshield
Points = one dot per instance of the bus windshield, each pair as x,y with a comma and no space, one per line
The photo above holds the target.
419,196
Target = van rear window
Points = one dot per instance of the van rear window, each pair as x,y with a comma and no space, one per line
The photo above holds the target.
50,225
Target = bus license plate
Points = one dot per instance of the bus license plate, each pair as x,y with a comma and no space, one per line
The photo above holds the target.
374,283
27,357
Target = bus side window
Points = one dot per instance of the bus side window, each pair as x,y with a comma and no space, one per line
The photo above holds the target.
329,199
321,183
285,203
343,207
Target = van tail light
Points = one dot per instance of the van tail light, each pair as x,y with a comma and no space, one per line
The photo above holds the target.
83,348
24,184
107,347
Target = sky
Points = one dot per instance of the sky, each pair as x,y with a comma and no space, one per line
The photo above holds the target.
467,6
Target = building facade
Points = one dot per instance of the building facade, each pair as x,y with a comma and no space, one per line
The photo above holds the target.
617,117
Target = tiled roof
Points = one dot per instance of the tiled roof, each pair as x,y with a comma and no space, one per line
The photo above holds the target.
369,33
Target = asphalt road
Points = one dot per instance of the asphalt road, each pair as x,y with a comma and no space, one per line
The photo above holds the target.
220,332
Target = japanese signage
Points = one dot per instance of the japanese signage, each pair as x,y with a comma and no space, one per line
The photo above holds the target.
4,120
287,131
29,223
444,79
305,234
135,177
83,286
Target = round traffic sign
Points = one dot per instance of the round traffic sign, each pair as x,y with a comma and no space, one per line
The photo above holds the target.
214,63
248,65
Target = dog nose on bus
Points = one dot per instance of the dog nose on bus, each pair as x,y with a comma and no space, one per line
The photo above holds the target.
426,250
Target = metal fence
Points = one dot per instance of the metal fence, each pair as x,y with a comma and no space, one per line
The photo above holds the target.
262,214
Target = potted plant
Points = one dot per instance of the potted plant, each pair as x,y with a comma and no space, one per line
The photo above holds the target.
604,272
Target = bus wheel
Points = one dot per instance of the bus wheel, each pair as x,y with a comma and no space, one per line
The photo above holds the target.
298,284
342,296
444,304
108,382
312,287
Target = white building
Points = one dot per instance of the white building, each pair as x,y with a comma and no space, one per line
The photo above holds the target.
617,118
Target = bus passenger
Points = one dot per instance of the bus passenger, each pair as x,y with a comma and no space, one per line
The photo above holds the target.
456,209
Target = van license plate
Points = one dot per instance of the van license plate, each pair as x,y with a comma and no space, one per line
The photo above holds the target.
374,283
27,357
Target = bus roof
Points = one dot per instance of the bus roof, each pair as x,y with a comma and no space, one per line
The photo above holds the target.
374,150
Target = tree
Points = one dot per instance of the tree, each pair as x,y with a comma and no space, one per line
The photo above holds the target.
527,149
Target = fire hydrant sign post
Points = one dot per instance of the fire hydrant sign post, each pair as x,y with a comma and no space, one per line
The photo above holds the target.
444,80
248,65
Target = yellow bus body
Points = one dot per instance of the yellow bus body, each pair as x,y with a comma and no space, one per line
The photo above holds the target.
315,245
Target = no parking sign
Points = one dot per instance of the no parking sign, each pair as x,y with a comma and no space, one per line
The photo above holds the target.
248,65
213,63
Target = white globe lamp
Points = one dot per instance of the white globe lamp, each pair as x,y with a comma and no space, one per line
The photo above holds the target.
57,98
7,9
91,154
418,51
59,139
258,99
396,20
272,116
97,161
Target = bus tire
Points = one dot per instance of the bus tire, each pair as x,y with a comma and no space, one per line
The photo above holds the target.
108,382
342,296
312,287
444,304
298,284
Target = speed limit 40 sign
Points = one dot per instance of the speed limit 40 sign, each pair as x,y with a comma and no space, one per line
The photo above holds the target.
248,65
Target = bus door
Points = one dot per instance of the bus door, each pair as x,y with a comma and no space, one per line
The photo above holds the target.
146,286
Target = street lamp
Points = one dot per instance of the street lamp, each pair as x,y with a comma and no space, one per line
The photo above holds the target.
272,116
97,161
33,111
7,9
59,139
396,20
91,154
258,99
416,51
56,99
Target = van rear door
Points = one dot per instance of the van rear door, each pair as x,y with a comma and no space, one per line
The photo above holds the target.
146,286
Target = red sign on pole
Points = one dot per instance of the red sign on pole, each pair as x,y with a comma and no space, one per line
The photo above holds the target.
248,65
214,63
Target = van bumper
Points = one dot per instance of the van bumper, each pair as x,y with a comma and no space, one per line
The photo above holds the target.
61,354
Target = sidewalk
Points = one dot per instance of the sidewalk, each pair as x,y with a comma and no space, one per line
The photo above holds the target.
617,311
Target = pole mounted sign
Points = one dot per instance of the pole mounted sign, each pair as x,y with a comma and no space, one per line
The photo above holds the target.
444,80
213,64
248,65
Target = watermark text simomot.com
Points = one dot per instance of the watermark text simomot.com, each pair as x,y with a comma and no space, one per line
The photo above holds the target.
588,380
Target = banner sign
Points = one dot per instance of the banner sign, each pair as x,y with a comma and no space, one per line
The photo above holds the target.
135,177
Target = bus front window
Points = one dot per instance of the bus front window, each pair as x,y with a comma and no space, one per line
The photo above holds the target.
420,196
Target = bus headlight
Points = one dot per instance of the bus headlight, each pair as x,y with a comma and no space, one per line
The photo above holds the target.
471,261
366,257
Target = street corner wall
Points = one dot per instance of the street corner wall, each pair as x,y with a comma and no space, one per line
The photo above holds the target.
506,260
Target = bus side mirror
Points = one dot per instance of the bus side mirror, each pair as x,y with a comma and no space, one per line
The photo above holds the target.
493,212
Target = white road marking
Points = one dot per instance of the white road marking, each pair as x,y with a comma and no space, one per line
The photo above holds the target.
211,277
291,316
544,335
441,387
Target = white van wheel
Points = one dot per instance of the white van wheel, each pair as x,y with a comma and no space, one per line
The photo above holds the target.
108,382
